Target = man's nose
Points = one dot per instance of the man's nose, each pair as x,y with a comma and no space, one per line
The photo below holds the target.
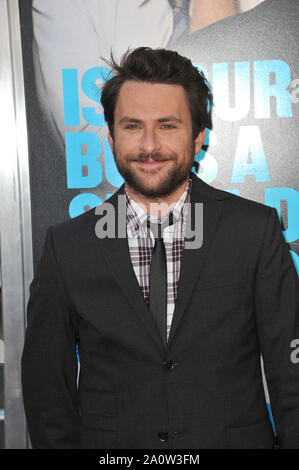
149,142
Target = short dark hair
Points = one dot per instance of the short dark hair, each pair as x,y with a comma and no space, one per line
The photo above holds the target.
145,64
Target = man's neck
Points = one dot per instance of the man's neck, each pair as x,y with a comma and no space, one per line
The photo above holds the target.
157,207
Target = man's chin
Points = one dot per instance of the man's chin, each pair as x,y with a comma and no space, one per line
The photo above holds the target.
153,189
149,190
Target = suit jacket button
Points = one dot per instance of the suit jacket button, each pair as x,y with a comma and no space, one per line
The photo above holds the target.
168,365
163,436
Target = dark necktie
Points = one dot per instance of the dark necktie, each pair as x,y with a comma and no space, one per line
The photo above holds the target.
181,20
158,278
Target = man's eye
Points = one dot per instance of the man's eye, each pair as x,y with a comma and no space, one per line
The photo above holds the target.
168,126
131,126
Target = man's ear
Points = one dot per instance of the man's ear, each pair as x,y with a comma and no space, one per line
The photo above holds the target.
199,141
110,140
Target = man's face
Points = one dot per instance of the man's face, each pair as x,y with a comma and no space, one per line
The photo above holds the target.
153,146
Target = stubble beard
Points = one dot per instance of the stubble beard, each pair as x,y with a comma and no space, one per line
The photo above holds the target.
175,176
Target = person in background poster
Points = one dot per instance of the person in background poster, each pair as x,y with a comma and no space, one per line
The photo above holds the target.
252,63
77,33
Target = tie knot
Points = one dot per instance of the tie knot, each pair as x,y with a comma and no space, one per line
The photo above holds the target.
158,227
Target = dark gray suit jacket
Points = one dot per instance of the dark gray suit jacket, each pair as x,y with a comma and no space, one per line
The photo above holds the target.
238,295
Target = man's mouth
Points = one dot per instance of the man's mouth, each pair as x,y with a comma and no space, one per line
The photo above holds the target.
150,162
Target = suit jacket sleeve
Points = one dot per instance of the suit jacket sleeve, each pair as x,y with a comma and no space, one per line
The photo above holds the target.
49,361
277,319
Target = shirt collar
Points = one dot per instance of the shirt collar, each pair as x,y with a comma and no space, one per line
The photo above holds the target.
136,217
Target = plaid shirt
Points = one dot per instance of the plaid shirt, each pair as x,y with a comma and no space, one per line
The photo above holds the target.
141,242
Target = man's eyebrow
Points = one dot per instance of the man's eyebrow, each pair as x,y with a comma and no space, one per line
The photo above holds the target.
129,119
169,118
163,119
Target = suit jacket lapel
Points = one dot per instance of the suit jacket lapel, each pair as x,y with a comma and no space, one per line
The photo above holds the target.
117,254
192,259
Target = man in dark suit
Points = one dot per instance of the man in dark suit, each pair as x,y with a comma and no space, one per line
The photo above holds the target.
169,332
